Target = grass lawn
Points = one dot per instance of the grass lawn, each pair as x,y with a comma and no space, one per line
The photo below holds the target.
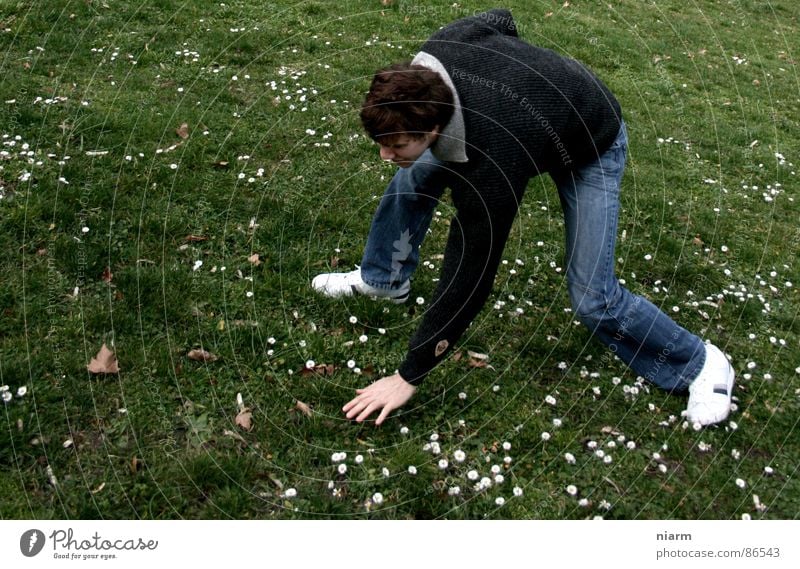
151,149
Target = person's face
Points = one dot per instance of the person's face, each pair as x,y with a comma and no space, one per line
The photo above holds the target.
403,150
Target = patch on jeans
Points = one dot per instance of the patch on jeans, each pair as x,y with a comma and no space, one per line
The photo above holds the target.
441,347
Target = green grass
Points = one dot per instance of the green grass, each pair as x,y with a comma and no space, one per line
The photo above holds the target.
109,87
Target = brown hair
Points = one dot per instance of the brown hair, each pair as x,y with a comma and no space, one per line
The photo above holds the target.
406,99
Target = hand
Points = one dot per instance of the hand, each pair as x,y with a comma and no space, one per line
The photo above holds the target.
387,394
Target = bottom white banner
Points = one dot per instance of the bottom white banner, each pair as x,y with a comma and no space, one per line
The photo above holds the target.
38,543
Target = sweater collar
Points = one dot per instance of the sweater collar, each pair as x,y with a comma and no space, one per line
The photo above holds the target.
450,145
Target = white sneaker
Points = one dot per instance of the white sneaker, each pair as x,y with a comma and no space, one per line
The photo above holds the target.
336,285
710,392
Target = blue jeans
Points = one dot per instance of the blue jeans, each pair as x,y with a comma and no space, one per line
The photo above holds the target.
633,328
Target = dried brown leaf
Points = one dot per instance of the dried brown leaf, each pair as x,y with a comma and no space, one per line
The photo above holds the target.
303,408
201,356
107,275
104,362
183,131
245,419
254,259
196,238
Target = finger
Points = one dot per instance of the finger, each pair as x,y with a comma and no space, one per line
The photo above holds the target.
385,413
372,407
356,409
350,404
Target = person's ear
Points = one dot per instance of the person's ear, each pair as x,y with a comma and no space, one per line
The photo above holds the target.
435,133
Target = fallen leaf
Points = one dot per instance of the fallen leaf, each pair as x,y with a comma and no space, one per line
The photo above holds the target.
107,275
254,259
221,164
104,362
303,408
202,356
244,419
135,465
183,131
334,262
320,369
196,238
697,241
458,355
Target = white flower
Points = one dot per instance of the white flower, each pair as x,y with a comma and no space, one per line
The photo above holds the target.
412,470
310,364
740,483
506,445
290,493
499,479
4,388
381,331
472,475
353,320
607,459
342,468
377,498
500,501
545,436
572,490
592,445
338,456
550,400
569,457
517,491
434,437
583,502
385,472
768,470
271,341
459,456
746,517
443,464
403,430
507,460
362,338
662,468
435,448
495,469
630,445
359,459
351,364
22,391
7,396
454,491
462,395
197,264
420,300
556,423
486,482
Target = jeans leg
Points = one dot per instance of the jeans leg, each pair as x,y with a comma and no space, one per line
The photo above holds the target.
401,221
633,328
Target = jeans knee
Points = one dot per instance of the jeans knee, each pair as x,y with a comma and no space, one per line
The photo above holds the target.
590,307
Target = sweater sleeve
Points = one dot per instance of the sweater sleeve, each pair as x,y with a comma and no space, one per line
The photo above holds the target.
478,235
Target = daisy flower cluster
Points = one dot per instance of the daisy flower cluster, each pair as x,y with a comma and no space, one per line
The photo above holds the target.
8,395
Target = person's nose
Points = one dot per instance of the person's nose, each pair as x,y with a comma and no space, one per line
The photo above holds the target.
386,153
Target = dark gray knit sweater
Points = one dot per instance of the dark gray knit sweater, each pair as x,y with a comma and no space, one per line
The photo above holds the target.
526,111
